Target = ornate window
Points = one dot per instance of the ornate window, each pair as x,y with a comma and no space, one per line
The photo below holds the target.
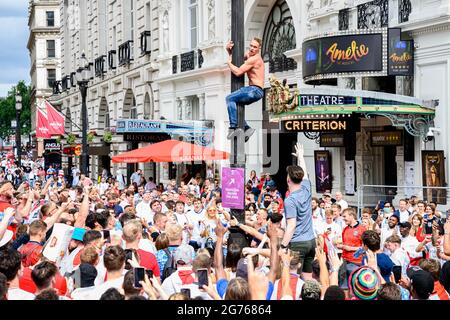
373,14
279,37
343,19
404,9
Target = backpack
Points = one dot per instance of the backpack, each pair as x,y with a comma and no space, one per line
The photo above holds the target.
169,266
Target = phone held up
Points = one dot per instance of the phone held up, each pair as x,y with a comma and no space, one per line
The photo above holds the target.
397,271
186,292
202,276
139,275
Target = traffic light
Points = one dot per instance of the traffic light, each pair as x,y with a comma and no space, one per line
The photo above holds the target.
77,150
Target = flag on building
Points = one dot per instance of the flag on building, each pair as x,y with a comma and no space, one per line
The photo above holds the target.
42,130
55,120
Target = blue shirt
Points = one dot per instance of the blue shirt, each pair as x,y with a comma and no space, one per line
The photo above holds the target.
222,286
162,257
298,206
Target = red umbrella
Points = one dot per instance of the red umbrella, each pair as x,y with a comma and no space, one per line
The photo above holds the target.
170,151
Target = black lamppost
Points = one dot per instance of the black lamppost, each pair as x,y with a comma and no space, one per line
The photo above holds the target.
18,142
83,75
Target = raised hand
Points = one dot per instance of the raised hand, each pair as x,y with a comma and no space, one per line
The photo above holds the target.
299,150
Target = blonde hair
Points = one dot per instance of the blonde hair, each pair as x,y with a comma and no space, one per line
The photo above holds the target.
174,232
258,40
131,230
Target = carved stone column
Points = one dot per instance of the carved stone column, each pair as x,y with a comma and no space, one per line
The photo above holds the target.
188,109
400,160
183,108
404,86
364,164
201,103
179,109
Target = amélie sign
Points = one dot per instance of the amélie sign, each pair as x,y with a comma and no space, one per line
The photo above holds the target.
343,53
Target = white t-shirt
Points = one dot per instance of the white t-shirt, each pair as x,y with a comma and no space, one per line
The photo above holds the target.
143,210
410,244
19,294
196,220
82,293
298,290
336,231
400,258
404,216
97,293
386,233
342,203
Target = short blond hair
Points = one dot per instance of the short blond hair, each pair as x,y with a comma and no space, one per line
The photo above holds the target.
174,232
131,230
258,40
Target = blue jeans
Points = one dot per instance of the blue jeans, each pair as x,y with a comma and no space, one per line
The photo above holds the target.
245,96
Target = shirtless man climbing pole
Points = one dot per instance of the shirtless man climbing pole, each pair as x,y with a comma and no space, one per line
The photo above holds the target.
254,68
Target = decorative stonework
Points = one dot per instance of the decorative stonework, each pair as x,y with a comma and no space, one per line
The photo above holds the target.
211,19
164,5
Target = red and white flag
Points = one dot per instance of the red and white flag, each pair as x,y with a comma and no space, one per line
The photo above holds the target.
55,120
42,130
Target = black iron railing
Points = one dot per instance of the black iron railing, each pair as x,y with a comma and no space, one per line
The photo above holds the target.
188,61
145,42
404,10
112,64
100,66
126,52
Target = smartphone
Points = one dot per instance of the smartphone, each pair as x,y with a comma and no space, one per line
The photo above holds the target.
429,227
139,275
149,273
381,204
186,292
107,236
202,276
397,270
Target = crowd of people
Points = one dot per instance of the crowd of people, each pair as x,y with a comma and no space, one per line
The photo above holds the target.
104,239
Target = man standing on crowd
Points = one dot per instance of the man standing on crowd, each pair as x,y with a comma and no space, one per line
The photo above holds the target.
254,68
299,235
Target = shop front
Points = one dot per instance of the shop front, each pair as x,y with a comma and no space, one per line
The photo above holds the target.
139,133
52,154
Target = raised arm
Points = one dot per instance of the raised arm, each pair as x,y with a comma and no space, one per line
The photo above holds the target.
247,229
50,221
299,153
8,214
272,234
84,210
218,253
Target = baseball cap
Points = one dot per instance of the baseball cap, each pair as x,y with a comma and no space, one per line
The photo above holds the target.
422,281
364,283
184,253
7,236
405,224
242,268
78,234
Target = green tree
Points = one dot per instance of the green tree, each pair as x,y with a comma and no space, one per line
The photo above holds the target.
8,110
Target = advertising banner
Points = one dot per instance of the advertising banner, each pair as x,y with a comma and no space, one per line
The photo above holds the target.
401,55
433,175
322,160
233,191
342,54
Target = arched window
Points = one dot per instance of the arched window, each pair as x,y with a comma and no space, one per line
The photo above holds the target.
279,37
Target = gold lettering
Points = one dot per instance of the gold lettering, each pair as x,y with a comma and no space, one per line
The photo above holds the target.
315,125
342,125
405,57
307,123
287,124
333,125
296,125
353,52
323,125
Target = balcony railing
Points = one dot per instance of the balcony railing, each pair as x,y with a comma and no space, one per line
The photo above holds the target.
126,52
65,83
112,64
73,81
57,87
404,10
145,42
188,61
100,67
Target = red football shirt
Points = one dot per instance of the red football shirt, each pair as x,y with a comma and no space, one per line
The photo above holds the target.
26,283
351,236
149,262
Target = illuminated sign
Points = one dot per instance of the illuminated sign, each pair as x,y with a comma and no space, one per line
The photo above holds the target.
331,140
401,55
51,145
343,54
313,125
386,138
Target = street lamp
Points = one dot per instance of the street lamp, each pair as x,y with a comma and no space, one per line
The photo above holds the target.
82,77
18,142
